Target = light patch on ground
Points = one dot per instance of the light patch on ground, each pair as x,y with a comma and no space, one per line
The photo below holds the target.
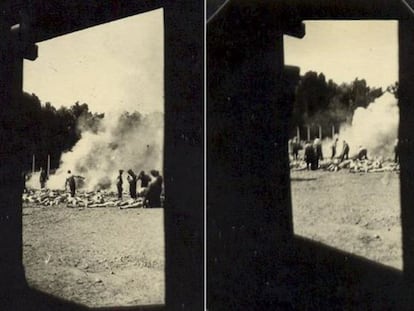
356,213
96,257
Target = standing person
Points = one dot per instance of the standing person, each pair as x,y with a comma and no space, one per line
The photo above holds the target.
132,179
309,155
396,151
153,195
145,179
345,151
362,153
333,148
42,178
295,148
119,183
24,179
318,152
70,180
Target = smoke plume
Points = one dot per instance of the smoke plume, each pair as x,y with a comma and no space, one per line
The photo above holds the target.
124,141
374,128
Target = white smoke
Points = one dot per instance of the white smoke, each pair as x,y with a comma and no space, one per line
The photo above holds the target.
34,181
375,128
123,141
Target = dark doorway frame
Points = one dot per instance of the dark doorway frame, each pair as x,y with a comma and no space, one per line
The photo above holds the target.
250,241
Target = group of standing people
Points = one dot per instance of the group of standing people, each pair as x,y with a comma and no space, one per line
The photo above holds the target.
344,155
313,154
152,187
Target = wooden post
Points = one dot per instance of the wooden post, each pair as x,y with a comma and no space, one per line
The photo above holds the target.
333,131
298,133
33,164
320,132
308,132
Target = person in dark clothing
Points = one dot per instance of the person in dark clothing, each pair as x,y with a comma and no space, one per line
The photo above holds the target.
42,178
290,147
345,151
362,153
132,179
333,148
119,183
72,184
145,179
318,153
309,155
295,148
153,195
25,177
396,151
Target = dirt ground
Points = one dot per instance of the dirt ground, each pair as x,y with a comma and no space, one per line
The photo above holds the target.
356,213
96,257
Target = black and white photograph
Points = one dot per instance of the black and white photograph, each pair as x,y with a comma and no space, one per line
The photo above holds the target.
206,155
92,204
309,155
343,144
101,155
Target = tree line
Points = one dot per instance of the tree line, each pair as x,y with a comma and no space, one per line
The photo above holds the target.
325,103
43,130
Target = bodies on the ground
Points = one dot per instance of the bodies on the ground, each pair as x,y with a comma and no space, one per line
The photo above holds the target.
153,195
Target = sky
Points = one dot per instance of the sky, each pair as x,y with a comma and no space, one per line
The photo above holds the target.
345,50
118,66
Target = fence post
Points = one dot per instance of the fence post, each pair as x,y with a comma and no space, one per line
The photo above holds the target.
48,165
33,164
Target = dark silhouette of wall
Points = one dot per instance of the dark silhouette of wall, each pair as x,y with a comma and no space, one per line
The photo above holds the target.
254,260
248,211
406,132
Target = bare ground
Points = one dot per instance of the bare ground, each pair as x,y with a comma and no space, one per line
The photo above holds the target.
356,213
96,257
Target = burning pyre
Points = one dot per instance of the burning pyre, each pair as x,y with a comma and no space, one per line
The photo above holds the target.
373,129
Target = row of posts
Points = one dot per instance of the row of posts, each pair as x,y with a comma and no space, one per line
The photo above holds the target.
34,164
308,127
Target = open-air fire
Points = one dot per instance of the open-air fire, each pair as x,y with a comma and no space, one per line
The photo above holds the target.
130,142
368,144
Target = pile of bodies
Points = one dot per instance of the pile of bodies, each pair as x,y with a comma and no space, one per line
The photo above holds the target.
81,200
352,165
